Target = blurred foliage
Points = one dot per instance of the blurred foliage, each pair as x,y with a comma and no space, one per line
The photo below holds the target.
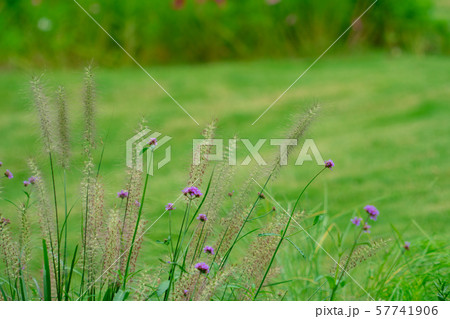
55,33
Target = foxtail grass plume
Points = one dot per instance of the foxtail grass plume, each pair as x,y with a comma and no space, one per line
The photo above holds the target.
41,104
89,109
202,151
301,123
62,137
361,254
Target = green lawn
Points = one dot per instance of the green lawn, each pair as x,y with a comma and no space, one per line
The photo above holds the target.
384,122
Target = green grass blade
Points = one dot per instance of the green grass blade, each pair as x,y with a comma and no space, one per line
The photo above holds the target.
46,277
69,279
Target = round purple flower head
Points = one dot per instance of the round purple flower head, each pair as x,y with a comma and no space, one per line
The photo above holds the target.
152,142
192,192
185,292
329,164
9,174
202,267
136,203
170,206
366,228
26,183
1,164
122,194
357,221
230,194
407,244
202,217
208,250
32,180
372,211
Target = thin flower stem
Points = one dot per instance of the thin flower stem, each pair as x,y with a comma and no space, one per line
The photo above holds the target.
198,243
58,241
170,235
333,292
126,209
284,233
65,231
192,296
227,254
176,253
84,230
186,249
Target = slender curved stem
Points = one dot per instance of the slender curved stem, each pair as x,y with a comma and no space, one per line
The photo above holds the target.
284,233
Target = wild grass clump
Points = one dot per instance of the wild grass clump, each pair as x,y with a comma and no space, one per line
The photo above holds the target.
219,245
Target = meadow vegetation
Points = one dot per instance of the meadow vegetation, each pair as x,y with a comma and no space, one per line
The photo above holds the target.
250,247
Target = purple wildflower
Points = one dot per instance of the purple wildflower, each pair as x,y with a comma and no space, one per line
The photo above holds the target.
202,267
136,203
329,164
170,206
4,221
407,244
372,211
26,183
1,164
208,250
32,180
153,142
202,217
366,228
230,194
192,192
9,174
357,221
122,194
185,292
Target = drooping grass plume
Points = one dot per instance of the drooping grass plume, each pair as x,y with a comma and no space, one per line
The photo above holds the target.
360,254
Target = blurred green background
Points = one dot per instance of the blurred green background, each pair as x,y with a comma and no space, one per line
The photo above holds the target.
384,90
54,33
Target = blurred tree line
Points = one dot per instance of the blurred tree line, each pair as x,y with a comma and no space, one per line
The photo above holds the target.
59,33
